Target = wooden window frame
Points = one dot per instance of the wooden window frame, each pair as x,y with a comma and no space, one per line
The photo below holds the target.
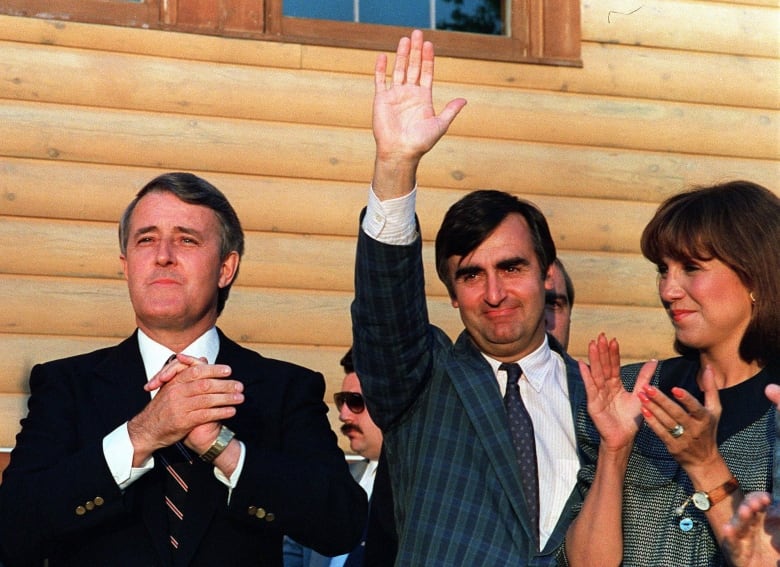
541,31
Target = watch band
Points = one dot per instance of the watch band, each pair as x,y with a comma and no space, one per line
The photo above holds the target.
223,439
717,494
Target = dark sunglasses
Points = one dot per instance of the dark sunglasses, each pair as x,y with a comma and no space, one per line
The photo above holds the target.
354,401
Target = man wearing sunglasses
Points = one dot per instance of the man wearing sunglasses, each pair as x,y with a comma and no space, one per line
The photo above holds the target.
365,439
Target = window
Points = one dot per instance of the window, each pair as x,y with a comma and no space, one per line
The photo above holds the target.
535,31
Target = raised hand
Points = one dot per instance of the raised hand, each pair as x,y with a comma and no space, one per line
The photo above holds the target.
615,412
405,123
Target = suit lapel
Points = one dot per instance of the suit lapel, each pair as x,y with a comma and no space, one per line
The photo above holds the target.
119,388
473,380
119,396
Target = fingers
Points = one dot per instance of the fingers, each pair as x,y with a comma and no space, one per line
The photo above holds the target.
182,363
711,395
426,65
772,392
414,64
645,375
380,73
401,61
604,357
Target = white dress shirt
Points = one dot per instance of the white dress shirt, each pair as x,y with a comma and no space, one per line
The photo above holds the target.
545,393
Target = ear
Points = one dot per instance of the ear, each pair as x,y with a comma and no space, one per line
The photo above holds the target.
123,259
228,269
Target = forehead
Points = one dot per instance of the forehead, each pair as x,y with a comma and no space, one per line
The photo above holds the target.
510,239
160,209
351,383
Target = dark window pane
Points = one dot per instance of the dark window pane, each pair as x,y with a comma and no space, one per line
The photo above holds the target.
476,16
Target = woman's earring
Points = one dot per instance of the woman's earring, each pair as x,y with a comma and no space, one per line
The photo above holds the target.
752,297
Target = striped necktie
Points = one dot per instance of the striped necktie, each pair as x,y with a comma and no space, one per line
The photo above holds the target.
177,462
522,430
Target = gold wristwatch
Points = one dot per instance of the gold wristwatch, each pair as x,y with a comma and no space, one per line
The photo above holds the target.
220,444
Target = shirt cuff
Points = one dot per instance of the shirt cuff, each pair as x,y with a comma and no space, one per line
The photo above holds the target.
118,452
232,481
391,221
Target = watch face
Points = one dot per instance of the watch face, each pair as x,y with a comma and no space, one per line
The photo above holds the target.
701,500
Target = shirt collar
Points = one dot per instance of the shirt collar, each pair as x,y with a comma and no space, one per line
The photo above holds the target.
155,355
535,365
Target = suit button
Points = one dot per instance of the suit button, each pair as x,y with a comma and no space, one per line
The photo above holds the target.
90,505
99,501
80,510
260,513
270,517
252,510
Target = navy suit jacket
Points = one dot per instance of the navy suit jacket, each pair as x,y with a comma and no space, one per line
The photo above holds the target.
458,495
59,500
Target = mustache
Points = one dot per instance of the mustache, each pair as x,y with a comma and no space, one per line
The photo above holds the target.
347,427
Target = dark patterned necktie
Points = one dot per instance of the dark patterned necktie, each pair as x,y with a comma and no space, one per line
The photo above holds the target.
177,462
522,429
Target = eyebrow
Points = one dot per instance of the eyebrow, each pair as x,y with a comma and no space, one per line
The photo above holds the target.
177,229
552,297
502,265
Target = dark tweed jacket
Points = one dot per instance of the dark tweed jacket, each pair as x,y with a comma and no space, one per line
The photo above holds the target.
458,496
656,485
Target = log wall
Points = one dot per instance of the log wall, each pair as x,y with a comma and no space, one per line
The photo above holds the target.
672,94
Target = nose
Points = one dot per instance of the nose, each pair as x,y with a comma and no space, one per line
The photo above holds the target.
165,253
346,415
495,292
669,288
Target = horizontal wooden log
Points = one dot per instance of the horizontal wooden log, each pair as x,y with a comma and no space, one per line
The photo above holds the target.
100,308
335,101
608,69
81,191
39,71
51,132
79,249
687,25
149,42
13,407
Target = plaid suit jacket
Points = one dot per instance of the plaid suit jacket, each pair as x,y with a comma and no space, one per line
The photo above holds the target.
458,496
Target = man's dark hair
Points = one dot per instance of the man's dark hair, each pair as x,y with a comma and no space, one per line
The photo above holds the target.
473,218
568,284
195,191
346,362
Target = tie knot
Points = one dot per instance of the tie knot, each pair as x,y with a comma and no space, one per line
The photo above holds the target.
513,372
